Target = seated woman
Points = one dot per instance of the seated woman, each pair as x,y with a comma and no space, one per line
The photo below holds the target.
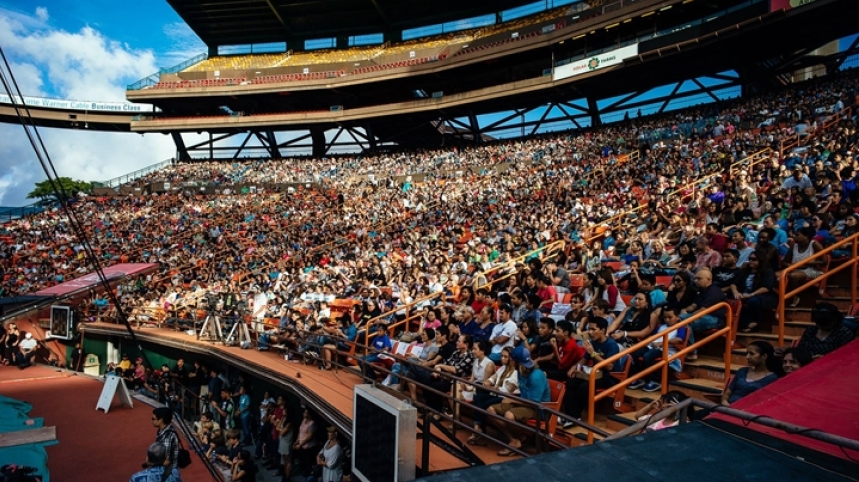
762,370
757,292
665,401
646,357
828,333
794,358
505,380
635,322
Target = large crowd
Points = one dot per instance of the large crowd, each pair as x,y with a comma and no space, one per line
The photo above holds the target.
650,197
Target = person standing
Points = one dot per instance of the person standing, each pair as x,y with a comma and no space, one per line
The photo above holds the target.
331,459
162,418
245,416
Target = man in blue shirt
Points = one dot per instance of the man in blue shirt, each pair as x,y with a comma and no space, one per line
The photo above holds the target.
533,386
598,347
154,472
381,344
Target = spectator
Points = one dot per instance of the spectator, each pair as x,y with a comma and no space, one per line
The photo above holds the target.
668,400
155,467
647,356
244,469
598,346
828,333
533,387
762,370
756,288
505,380
26,351
794,358
162,418
330,458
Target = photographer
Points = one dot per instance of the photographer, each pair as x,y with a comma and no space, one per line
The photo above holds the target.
156,457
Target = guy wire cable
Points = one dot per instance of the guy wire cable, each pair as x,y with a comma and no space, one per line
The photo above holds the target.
50,171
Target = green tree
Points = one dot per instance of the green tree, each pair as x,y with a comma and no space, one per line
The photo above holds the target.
44,191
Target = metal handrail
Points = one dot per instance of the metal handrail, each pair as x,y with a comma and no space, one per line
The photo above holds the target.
539,407
785,295
551,247
664,362
386,314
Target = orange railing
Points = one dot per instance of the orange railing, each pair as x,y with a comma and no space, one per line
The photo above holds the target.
407,307
663,363
796,139
851,262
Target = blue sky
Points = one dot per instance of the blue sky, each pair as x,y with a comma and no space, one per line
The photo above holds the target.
85,50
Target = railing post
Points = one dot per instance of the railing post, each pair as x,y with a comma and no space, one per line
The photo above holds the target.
782,289
665,362
853,271
729,317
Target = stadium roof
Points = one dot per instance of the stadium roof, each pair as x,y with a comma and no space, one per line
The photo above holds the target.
238,22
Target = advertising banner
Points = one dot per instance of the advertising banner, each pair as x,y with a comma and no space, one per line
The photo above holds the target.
77,104
597,62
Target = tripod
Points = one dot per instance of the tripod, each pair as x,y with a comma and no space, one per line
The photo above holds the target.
211,329
239,334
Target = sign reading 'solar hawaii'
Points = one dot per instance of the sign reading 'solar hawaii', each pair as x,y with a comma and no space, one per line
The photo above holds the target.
77,104
595,62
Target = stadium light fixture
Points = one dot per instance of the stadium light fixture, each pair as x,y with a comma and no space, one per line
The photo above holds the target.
612,25
579,36
648,14
667,7
627,20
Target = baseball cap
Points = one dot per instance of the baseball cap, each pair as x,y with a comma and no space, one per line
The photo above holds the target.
523,357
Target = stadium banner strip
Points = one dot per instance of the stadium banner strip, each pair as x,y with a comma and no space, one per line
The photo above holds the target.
597,62
77,104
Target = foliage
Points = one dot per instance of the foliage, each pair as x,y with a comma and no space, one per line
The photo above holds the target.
44,190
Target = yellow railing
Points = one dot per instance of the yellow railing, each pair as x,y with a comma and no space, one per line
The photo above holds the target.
664,362
785,295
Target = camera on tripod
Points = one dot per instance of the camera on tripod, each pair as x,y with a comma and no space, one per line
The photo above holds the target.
213,302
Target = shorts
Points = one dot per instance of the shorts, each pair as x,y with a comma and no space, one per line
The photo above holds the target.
812,273
520,412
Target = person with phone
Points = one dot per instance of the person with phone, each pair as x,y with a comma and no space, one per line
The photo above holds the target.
665,401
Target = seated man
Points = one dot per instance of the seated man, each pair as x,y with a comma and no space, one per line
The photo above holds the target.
533,386
708,295
598,346
26,351
155,468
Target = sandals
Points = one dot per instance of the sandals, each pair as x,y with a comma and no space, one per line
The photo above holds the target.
506,453
476,440
751,328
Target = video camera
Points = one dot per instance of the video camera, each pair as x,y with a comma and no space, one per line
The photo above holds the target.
213,301
17,473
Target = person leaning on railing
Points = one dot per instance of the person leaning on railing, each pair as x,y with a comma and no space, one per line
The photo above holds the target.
533,386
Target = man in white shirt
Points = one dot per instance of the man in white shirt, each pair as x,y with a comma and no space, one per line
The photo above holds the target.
503,333
26,351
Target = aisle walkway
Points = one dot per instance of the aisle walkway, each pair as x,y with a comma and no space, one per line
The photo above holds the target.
93,446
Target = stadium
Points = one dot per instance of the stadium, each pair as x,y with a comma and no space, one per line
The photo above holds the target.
408,240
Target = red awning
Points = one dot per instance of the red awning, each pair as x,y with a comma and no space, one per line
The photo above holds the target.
821,395
91,280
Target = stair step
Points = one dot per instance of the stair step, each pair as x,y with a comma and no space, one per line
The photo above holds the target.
794,328
619,421
711,368
698,387
744,339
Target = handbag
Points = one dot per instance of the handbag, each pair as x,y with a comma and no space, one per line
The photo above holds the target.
184,458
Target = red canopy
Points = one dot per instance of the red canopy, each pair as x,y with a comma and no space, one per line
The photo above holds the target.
821,395
91,280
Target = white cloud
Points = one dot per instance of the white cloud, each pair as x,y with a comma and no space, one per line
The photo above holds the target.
42,14
184,44
82,65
